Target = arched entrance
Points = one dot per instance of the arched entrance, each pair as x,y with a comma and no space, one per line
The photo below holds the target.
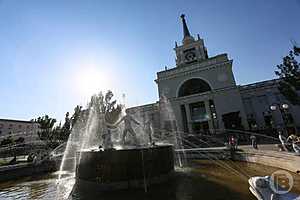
193,86
196,115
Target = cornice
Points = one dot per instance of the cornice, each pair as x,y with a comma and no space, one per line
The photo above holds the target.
203,95
182,71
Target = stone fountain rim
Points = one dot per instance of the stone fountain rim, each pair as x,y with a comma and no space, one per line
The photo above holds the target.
128,148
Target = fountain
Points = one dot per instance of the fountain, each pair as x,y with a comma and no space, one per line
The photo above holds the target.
124,168
113,150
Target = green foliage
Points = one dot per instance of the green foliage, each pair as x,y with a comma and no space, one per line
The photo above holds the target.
65,131
77,116
7,141
20,140
48,132
78,120
103,105
289,74
45,122
52,134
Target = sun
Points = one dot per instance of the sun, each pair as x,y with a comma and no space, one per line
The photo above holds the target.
91,80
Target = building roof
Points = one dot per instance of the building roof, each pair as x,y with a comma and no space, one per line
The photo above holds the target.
146,106
204,63
260,84
16,121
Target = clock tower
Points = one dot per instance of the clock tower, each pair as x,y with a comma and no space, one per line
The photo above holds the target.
192,50
201,90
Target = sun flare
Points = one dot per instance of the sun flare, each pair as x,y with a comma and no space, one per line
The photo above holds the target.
91,80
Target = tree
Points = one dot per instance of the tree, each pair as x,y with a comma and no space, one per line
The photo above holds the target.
47,131
65,131
20,140
289,74
78,120
101,105
77,115
7,141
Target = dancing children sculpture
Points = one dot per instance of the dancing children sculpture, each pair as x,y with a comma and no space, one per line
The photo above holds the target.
110,122
107,141
148,130
128,127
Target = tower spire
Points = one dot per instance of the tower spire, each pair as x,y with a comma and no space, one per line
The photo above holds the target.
187,38
186,32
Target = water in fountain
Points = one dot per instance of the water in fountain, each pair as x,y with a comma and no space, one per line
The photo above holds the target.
88,134
192,146
82,136
144,130
169,132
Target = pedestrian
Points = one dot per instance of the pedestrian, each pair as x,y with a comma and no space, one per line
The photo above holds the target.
253,141
236,141
232,142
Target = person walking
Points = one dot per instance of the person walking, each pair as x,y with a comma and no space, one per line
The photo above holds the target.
233,143
253,141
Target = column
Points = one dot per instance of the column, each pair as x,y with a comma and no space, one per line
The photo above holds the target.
210,123
188,117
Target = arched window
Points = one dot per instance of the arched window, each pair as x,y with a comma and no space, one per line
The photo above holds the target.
193,86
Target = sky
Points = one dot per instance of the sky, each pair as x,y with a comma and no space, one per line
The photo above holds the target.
55,54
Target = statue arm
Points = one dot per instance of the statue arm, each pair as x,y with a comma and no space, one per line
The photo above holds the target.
122,119
135,121
289,139
111,125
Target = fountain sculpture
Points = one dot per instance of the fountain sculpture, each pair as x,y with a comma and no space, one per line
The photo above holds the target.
115,151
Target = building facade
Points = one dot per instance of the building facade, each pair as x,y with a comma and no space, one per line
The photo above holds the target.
259,98
18,129
204,97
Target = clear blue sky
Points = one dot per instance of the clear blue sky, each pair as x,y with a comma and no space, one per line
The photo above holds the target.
54,54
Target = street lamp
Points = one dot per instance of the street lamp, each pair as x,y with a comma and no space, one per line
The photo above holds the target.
282,108
285,106
273,107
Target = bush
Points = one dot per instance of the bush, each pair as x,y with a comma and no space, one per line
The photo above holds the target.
6,141
20,140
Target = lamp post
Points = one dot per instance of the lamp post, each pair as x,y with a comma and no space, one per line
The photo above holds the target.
282,108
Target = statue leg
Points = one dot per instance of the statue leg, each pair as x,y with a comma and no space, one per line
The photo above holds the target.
150,136
124,135
108,139
132,133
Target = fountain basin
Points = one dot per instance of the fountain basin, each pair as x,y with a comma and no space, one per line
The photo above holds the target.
124,168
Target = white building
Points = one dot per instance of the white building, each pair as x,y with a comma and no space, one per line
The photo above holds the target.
204,96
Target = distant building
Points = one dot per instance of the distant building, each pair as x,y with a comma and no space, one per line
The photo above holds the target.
18,129
204,97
